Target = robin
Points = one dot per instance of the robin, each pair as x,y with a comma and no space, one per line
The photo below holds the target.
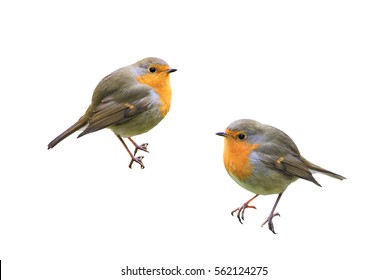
130,101
264,160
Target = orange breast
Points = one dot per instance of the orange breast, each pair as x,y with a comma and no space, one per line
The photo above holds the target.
160,83
236,157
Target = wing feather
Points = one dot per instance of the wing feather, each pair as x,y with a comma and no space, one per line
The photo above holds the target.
110,112
290,165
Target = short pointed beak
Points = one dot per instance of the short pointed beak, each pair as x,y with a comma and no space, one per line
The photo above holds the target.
170,70
222,134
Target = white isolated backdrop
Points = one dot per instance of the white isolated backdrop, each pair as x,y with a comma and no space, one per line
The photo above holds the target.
316,70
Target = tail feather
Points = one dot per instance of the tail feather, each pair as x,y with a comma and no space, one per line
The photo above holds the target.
78,125
317,168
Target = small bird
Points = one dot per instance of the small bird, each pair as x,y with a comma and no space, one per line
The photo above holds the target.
264,160
130,101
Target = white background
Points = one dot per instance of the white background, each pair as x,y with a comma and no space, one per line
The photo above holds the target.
316,70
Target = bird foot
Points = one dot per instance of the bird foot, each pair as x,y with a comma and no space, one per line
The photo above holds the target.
269,221
138,160
241,211
142,147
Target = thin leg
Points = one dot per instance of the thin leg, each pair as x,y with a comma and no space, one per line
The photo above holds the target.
272,215
241,210
142,147
134,159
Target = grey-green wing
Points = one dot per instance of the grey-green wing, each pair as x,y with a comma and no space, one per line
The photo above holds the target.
117,109
288,164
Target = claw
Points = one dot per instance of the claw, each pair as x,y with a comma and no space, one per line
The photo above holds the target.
138,160
269,220
142,147
241,212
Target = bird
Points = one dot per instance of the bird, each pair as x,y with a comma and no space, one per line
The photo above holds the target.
129,101
264,160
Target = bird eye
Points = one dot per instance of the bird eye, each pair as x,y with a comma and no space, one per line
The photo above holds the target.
152,69
241,136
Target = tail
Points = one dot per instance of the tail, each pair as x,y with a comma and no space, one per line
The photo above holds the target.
322,170
78,125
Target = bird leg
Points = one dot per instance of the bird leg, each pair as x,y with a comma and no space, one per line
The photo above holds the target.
241,210
269,219
142,147
134,159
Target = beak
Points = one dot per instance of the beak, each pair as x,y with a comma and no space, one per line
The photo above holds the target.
170,70
222,134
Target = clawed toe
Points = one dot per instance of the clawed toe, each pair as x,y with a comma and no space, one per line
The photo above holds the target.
241,212
142,147
269,221
138,160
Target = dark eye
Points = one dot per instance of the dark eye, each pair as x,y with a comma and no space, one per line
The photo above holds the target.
152,69
241,136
